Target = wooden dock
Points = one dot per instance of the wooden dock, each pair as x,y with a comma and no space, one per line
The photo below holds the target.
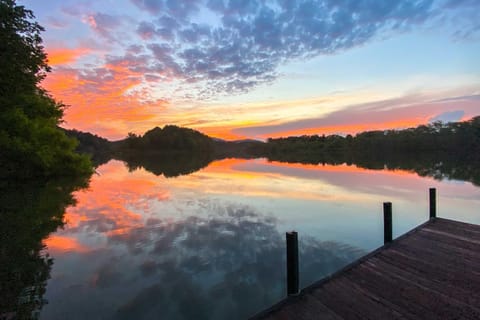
432,272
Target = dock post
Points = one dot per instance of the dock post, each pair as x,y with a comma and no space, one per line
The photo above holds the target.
387,222
433,203
292,263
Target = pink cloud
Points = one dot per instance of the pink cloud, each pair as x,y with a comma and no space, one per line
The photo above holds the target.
408,111
104,100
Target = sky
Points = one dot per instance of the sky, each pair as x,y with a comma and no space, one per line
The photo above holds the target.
237,69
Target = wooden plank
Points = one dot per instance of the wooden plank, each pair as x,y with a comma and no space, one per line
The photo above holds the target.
433,272
440,222
300,307
439,284
409,295
438,246
345,297
307,307
392,290
281,314
462,280
442,263
471,231
449,236
303,307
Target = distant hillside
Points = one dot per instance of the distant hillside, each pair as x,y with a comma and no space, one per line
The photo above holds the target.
239,149
439,150
456,138
170,150
99,149
461,139
164,140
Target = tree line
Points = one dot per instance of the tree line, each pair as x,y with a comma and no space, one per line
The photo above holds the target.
170,138
32,146
440,150
455,138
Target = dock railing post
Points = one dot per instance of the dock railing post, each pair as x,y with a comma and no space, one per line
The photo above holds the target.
387,222
433,203
292,263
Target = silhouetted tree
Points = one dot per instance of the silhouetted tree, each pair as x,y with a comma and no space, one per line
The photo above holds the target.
440,150
31,143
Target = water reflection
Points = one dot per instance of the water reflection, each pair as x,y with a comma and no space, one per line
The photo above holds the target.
439,165
226,264
209,245
167,164
29,212
139,248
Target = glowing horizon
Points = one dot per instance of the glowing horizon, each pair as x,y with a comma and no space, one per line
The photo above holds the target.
235,70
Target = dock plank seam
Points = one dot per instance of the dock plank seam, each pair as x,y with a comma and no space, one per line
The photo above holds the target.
432,271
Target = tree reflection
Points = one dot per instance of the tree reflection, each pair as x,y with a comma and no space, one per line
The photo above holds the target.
229,264
437,165
169,164
29,213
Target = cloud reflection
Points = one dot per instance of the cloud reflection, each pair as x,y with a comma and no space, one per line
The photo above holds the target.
203,258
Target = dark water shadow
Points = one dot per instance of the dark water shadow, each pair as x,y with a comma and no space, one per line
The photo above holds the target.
29,212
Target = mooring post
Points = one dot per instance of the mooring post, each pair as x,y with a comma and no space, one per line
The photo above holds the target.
387,222
433,203
292,263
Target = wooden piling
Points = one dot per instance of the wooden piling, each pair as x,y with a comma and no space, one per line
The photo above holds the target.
292,263
430,272
387,222
433,203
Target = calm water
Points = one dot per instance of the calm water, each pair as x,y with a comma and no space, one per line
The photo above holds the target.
210,245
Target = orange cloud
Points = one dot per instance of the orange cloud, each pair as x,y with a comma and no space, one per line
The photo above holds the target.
117,97
350,129
59,56
223,132
103,101
399,113
56,243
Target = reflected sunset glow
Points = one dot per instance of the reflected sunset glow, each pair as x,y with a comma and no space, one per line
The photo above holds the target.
118,201
223,224
159,152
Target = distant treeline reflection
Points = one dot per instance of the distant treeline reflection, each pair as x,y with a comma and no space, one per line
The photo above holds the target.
439,150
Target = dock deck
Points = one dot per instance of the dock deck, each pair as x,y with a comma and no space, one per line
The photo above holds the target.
432,272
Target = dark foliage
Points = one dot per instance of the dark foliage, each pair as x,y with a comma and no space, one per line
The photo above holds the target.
30,212
39,168
99,149
170,151
32,145
439,150
170,138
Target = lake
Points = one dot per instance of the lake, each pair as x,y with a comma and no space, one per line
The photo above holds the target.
211,244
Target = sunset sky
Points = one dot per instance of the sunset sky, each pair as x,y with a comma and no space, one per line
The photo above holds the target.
238,69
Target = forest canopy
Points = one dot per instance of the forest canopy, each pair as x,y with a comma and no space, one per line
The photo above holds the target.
32,144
